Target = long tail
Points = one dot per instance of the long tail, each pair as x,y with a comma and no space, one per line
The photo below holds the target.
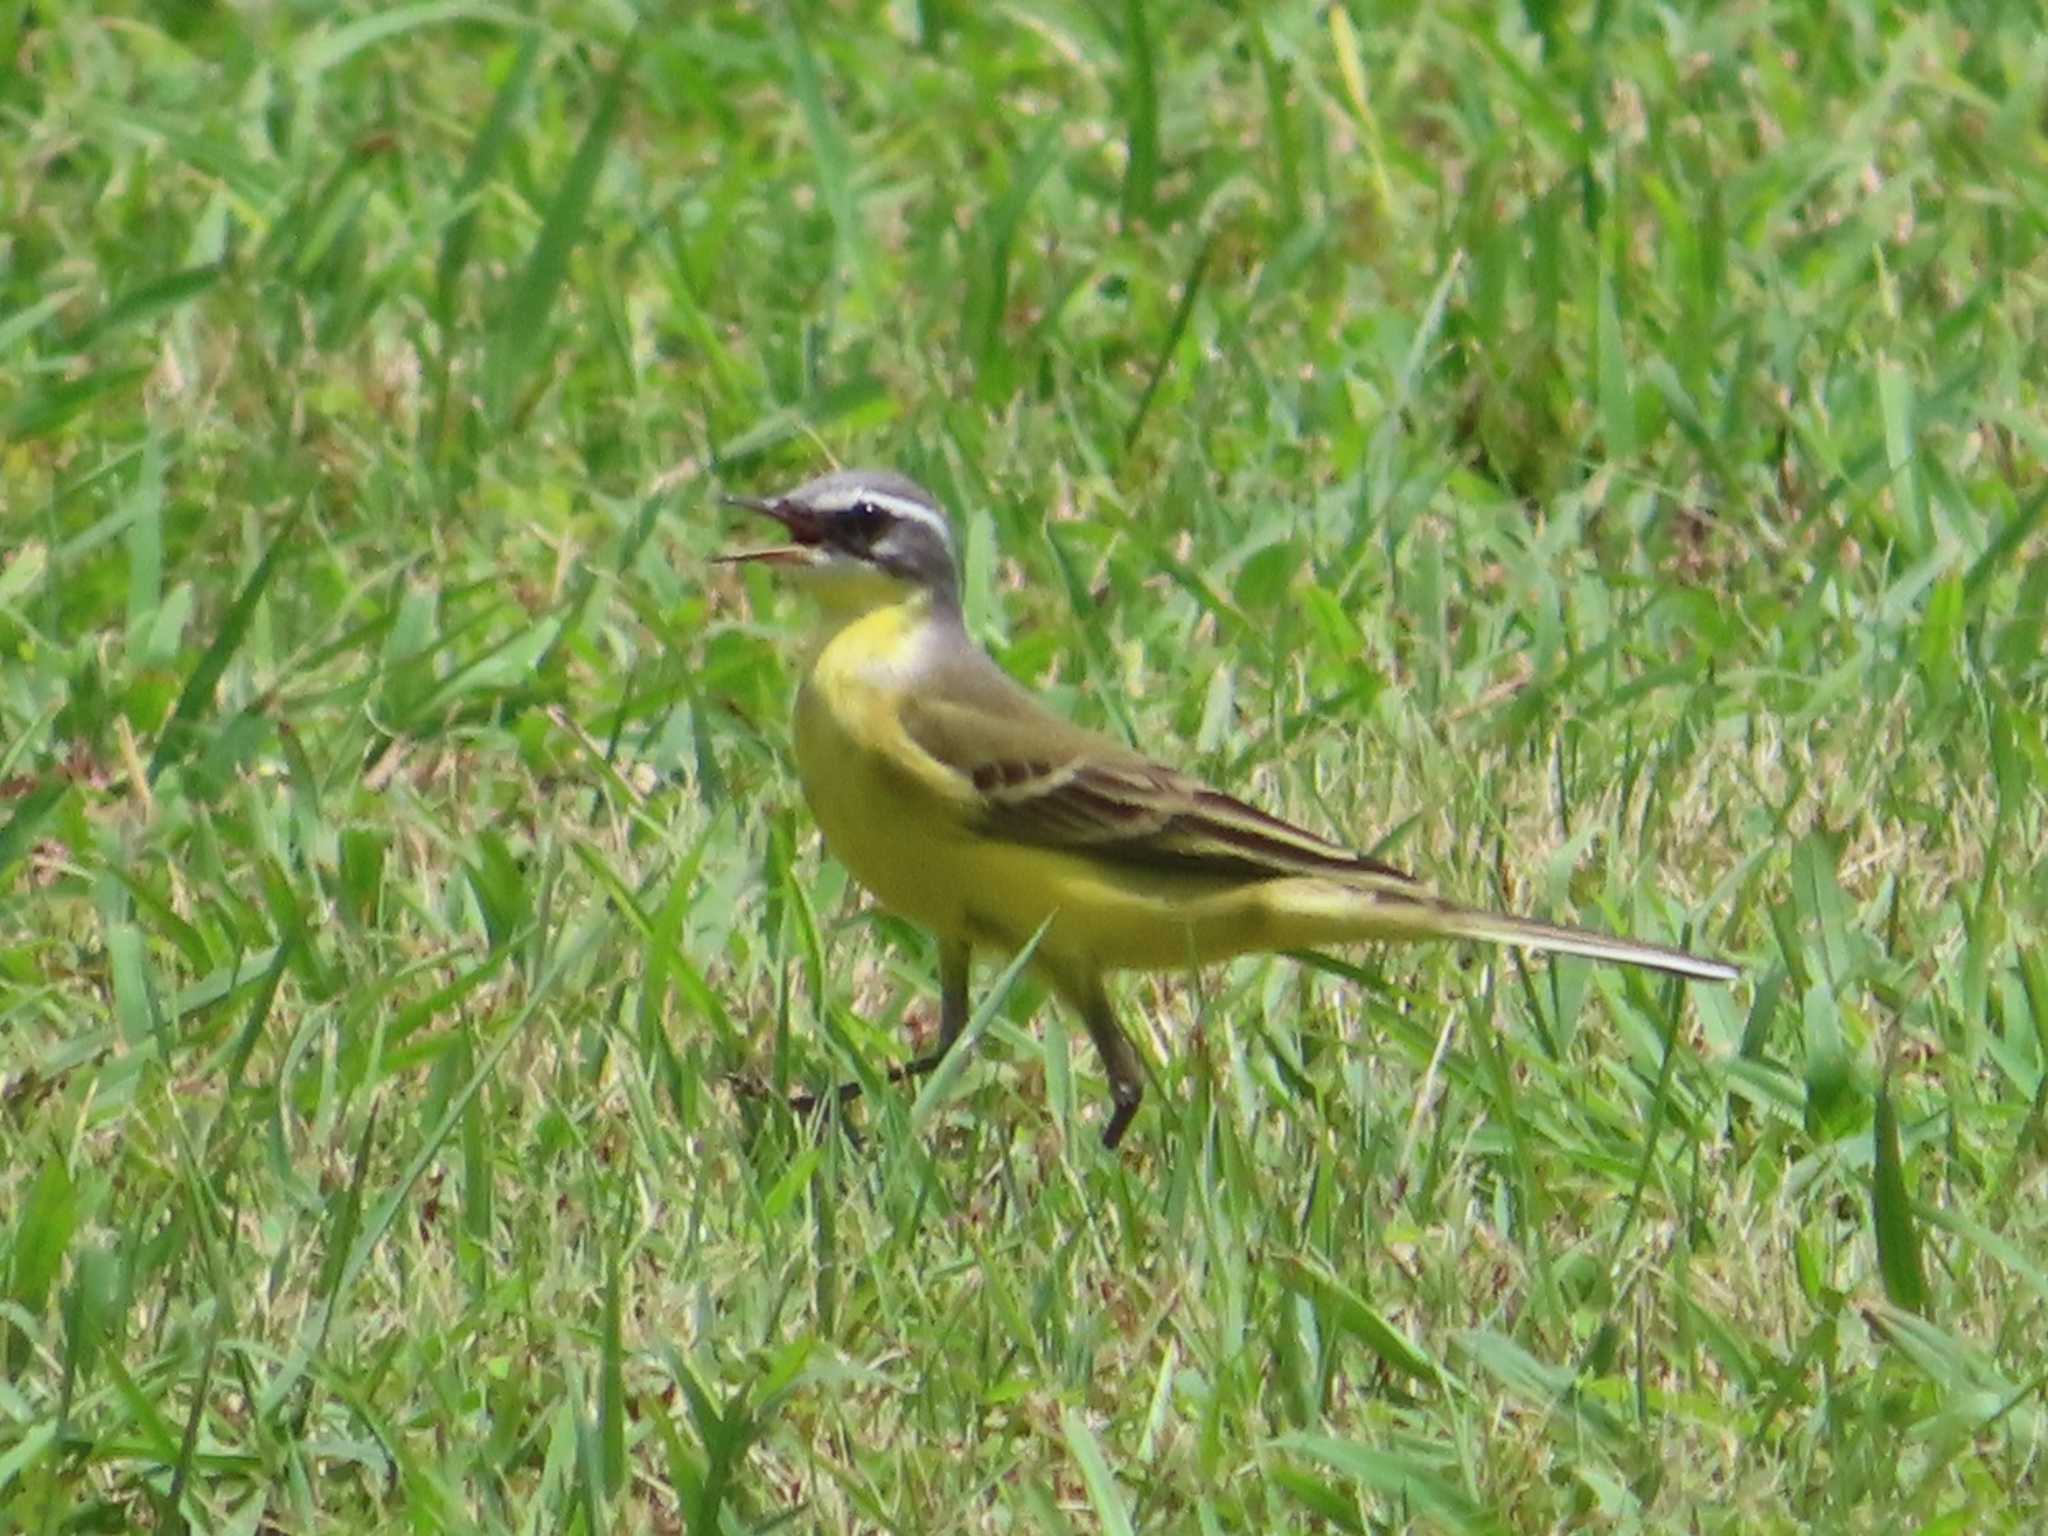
1527,933
1309,912
1315,911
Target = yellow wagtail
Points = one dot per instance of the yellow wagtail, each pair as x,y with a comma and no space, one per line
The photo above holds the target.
965,805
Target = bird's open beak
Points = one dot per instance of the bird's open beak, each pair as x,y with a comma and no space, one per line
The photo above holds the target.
802,528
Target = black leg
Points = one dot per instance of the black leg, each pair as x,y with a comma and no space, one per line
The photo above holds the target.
1126,1079
954,970
1119,1061
953,973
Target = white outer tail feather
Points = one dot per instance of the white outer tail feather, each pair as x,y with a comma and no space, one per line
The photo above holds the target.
1527,933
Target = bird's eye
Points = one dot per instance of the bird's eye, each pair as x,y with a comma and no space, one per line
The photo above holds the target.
865,521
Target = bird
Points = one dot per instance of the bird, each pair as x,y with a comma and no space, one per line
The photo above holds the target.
965,805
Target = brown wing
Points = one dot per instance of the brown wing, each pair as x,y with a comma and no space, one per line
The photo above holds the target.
1046,782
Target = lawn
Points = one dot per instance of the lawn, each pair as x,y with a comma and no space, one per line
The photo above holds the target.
1590,455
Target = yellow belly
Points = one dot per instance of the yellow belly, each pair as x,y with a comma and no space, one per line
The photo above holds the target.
911,849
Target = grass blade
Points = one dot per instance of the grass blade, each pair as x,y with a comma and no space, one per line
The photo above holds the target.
1175,329
1617,397
1896,404
828,144
460,237
1096,1477
522,326
196,698
18,833
1141,115
1891,1209
1000,224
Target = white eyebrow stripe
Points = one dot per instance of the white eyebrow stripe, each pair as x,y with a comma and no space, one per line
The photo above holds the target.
899,506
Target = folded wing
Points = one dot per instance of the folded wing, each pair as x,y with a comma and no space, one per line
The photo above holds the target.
1044,781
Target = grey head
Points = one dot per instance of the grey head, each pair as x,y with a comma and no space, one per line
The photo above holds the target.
872,518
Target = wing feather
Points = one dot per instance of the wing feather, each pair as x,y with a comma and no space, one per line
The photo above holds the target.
1046,782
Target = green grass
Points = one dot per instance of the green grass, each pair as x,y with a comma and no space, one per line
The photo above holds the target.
1599,467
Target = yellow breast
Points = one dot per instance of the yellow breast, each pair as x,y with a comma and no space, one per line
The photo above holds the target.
890,813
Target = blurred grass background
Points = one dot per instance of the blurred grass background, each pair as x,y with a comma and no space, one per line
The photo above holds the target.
1592,454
